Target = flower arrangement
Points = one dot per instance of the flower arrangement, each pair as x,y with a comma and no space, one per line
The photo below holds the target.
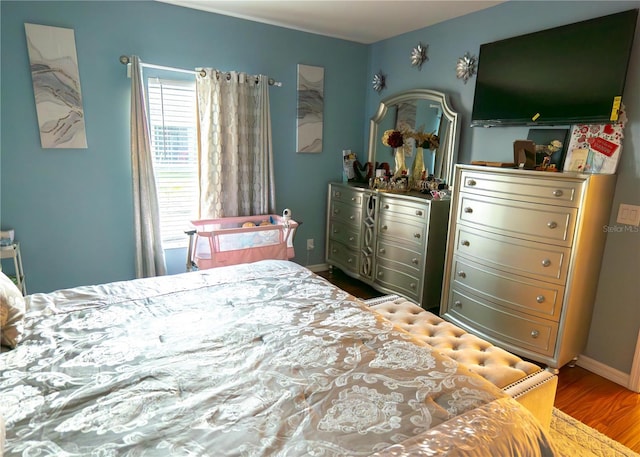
426,140
393,138
398,138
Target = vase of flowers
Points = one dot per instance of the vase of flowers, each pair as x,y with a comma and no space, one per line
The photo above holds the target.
418,168
423,141
395,140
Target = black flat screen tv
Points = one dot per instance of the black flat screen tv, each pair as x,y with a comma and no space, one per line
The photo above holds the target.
565,75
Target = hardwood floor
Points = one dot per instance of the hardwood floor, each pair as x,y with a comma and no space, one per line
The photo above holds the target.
595,401
602,404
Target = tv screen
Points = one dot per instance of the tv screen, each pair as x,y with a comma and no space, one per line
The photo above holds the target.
565,75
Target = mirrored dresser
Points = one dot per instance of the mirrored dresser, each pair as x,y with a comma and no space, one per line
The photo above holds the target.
394,242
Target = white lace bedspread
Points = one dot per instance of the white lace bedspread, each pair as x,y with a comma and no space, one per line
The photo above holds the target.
265,359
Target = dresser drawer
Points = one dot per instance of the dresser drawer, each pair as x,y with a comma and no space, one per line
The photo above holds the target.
404,283
346,213
344,233
346,195
516,186
520,294
408,233
344,256
526,258
531,221
404,209
409,259
522,331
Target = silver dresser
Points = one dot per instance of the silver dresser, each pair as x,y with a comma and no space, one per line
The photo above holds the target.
523,258
394,242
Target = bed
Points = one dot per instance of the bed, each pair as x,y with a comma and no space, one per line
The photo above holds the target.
261,359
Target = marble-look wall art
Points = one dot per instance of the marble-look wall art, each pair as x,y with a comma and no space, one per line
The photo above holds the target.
56,86
310,108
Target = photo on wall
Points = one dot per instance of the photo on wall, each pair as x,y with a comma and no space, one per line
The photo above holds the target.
56,86
310,108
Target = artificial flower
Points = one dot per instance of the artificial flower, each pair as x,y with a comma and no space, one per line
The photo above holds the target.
426,140
393,138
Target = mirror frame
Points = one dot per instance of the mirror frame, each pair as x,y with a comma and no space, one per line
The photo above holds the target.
448,141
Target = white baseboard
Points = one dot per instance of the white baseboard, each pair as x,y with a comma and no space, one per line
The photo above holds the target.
603,370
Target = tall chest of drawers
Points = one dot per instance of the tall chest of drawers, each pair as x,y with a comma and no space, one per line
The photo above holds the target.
523,258
393,242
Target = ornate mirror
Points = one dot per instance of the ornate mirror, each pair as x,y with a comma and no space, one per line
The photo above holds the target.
419,110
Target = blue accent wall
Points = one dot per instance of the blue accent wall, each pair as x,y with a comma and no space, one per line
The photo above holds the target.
72,209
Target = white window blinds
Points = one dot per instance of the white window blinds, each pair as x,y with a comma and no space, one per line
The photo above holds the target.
172,119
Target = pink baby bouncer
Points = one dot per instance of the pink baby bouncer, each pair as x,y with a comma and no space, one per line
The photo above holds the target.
243,239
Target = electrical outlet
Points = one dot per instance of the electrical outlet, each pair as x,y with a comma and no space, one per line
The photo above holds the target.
310,244
628,214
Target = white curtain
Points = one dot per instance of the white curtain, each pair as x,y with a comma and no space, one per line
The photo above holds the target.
236,157
149,255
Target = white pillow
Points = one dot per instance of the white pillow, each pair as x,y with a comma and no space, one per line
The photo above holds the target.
11,312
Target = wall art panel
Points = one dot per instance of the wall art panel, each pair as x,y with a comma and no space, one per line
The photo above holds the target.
56,86
310,108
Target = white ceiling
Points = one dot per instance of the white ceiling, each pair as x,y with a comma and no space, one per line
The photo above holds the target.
362,21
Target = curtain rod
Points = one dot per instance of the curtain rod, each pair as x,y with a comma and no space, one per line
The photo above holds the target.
125,60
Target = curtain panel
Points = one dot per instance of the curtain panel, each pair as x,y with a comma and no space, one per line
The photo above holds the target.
149,255
236,157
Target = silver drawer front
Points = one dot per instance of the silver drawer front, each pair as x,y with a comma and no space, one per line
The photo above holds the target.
529,332
408,258
404,283
346,213
345,195
521,294
540,190
345,233
406,210
408,233
536,260
341,254
544,223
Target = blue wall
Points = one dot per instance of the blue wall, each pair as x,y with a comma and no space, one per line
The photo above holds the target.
72,208
616,317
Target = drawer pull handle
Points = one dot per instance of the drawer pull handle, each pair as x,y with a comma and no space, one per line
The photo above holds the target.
462,274
465,243
414,261
468,210
546,262
338,194
336,230
353,199
471,182
386,206
416,235
350,238
334,251
336,211
384,227
418,213
350,260
413,285
535,334
540,298
552,224
382,251
352,217
457,304
557,193
380,274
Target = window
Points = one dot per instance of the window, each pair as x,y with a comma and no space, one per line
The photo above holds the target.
173,130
